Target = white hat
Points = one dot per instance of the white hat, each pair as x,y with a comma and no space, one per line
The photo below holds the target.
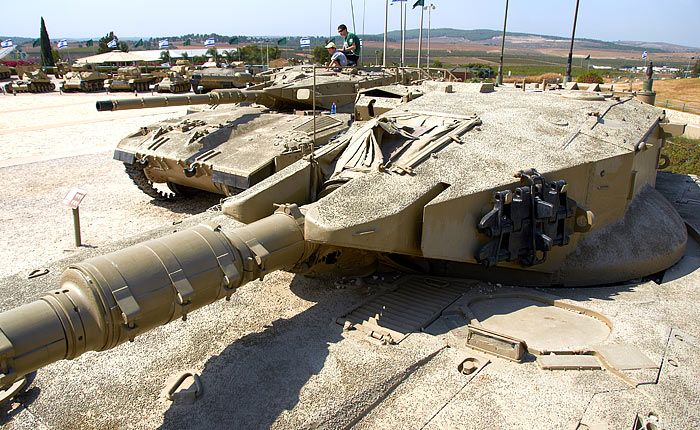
330,45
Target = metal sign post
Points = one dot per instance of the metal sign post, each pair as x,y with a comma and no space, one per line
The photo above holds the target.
73,199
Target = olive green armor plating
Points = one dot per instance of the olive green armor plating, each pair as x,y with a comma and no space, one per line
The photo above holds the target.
534,189
230,148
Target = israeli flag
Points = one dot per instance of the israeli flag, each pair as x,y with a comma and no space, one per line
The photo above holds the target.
360,43
163,44
209,43
644,55
63,43
305,42
6,43
112,43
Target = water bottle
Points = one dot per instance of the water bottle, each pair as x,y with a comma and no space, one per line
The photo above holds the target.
333,108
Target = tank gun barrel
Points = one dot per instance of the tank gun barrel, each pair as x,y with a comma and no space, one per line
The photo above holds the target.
107,300
214,97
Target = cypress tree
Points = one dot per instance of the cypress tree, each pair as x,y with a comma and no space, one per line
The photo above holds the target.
46,55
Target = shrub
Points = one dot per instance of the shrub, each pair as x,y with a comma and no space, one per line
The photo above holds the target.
683,154
590,78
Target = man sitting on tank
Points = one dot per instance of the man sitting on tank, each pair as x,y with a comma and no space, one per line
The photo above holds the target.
338,59
351,45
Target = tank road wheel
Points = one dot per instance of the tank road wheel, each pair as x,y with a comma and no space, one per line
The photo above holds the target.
168,192
183,190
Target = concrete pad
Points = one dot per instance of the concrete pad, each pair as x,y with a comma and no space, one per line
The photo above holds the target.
625,357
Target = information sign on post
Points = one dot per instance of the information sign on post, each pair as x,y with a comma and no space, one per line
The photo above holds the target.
73,199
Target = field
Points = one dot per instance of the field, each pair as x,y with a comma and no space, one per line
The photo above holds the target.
683,90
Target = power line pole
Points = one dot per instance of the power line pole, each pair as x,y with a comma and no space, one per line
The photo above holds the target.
499,79
567,78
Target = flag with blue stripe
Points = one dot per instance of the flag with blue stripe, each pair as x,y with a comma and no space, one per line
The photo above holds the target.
6,43
644,55
209,43
163,44
63,43
112,43
305,42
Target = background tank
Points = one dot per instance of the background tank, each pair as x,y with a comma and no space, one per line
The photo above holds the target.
231,148
129,79
31,82
177,79
5,71
85,78
212,78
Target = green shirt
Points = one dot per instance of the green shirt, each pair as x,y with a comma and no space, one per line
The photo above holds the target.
349,40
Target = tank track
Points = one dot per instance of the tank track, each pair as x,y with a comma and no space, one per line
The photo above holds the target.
141,86
41,87
94,85
144,184
31,88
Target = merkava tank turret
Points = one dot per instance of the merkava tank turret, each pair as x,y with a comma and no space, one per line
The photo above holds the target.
508,186
177,79
129,78
230,148
84,77
212,78
31,82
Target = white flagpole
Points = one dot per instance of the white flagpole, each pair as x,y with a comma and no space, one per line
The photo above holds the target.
420,36
403,34
364,9
386,23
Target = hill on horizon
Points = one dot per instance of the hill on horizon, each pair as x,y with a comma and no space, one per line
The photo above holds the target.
482,36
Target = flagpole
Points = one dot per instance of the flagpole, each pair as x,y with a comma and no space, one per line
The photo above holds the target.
427,60
364,9
386,23
330,23
420,35
403,34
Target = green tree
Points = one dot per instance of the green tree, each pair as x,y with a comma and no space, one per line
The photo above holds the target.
230,55
321,55
696,69
438,64
56,55
250,54
184,56
123,47
214,54
165,56
47,58
102,48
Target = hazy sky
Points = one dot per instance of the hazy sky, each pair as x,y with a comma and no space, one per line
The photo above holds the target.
672,21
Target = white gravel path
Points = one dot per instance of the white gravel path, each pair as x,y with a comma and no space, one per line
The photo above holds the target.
50,143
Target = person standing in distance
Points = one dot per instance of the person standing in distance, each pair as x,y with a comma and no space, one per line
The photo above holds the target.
351,45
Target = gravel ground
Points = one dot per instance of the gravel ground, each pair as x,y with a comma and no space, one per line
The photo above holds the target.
50,143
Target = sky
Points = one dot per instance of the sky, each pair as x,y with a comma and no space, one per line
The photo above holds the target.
671,21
